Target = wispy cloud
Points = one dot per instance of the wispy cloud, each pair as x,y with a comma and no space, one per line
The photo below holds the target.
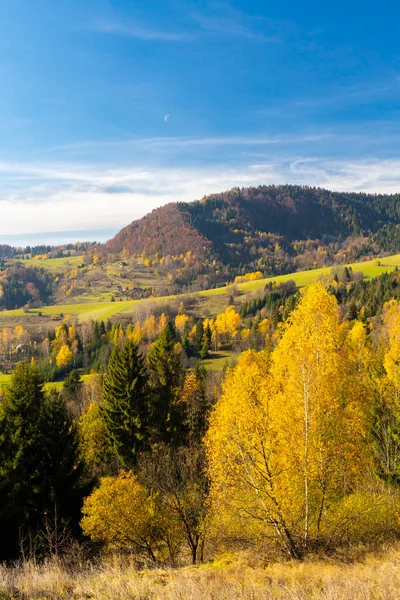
352,95
139,31
223,20
168,142
227,26
219,20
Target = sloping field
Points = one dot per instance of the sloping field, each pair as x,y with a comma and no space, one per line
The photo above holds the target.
84,311
106,310
370,268
54,264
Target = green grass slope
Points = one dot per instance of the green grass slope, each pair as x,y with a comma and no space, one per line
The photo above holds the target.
54,264
370,268
103,310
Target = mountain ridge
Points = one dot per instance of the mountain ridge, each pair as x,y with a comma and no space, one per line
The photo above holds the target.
271,227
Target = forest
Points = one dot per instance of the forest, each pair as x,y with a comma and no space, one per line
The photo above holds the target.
293,450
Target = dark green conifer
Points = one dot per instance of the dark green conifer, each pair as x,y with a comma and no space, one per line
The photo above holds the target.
205,350
39,464
208,334
198,337
125,395
166,374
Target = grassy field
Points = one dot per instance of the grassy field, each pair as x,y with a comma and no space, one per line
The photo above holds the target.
218,360
84,311
101,282
370,268
5,378
55,264
376,577
98,309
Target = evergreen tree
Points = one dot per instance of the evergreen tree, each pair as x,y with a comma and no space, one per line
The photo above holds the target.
166,373
72,387
186,345
102,328
208,334
352,314
196,406
125,395
199,335
205,350
39,465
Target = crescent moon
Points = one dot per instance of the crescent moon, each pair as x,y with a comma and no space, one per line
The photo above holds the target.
167,117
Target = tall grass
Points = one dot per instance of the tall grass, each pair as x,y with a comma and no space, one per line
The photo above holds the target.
375,578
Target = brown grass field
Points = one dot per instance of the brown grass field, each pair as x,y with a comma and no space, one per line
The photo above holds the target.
375,577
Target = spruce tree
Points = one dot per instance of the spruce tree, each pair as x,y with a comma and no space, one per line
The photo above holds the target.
205,350
208,335
72,387
125,395
166,374
39,464
199,334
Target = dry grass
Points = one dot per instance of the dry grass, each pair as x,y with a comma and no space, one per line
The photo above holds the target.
376,578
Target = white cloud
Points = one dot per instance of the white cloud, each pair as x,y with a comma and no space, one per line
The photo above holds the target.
139,31
63,197
167,142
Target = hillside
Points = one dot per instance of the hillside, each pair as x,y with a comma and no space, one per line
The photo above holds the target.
205,303
273,228
167,231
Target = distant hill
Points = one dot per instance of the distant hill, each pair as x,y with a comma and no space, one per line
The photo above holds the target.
273,228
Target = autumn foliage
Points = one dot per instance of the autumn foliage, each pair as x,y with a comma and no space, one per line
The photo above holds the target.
294,449
288,447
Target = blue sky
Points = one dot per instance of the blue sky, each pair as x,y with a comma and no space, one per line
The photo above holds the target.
257,92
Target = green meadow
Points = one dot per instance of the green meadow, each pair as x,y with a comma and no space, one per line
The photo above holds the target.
103,310
54,264
5,378
370,268
83,311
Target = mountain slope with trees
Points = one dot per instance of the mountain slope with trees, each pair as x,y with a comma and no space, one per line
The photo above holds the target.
272,228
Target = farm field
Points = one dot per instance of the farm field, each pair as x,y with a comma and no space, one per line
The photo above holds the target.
81,283
83,311
218,360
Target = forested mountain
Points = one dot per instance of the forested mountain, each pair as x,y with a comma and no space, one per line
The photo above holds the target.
273,228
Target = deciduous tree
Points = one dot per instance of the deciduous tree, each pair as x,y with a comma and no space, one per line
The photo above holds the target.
286,444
